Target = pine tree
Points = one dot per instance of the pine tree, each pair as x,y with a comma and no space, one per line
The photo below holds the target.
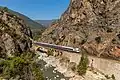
83,65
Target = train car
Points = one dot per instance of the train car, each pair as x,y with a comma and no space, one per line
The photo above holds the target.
59,47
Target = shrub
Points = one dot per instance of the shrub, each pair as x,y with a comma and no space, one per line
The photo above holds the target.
107,76
5,9
98,39
83,41
24,66
50,52
113,77
114,41
109,30
118,36
83,65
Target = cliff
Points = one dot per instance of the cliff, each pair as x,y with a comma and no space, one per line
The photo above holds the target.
14,35
89,24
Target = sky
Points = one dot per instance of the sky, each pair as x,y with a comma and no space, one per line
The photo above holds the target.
38,9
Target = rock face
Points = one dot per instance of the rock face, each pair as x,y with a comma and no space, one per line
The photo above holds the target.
14,35
91,24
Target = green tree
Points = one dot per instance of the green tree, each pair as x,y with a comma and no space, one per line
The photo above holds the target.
5,9
83,65
23,66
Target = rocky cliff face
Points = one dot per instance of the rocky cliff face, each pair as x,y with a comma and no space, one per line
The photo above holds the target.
14,35
91,24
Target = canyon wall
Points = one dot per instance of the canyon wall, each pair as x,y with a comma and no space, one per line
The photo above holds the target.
90,24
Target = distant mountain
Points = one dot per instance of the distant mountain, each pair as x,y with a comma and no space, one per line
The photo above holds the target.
46,23
32,24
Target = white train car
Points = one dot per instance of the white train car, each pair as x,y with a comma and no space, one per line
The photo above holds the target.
59,47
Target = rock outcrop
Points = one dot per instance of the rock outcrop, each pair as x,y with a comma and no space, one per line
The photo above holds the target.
91,24
14,35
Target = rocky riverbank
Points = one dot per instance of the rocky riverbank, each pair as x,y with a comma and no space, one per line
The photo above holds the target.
63,68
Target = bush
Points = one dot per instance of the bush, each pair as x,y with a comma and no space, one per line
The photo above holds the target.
5,9
98,39
83,65
114,41
107,76
113,77
50,52
109,30
83,41
24,66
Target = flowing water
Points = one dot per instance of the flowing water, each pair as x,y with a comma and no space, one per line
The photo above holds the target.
50,73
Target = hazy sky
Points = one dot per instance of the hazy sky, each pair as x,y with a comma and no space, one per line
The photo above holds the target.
38,9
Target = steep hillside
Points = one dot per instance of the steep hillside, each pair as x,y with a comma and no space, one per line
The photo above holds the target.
32,24
90,24
35,27
14,35
17,61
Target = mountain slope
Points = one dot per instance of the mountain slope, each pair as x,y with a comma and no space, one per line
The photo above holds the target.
89,24
14,35
17,60
32,24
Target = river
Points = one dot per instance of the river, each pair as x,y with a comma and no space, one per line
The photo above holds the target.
105,66
50,73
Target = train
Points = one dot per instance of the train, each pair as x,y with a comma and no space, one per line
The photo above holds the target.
59,47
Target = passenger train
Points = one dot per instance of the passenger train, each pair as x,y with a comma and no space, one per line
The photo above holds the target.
59,47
